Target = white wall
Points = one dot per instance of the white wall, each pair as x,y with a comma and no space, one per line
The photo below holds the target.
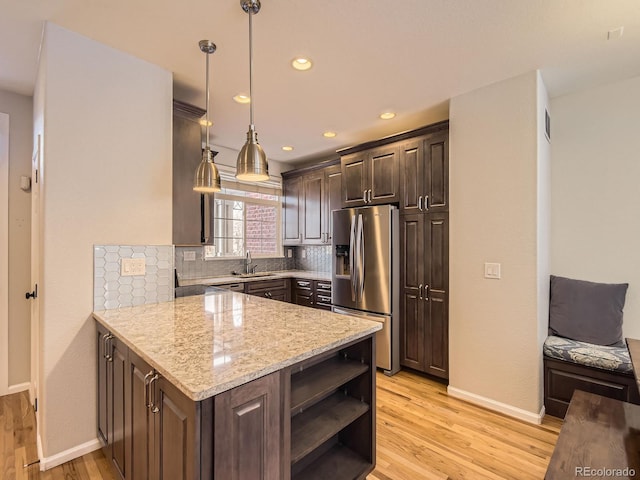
20,110
495,352
105,118
595,189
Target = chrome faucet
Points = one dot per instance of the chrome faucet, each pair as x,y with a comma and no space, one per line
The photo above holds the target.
247,262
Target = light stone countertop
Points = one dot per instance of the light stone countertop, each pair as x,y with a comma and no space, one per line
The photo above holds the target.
306,274
207,344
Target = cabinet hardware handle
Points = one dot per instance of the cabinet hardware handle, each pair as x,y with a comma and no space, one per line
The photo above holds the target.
324,285
364,196
420,290
104,345
146,389
369,195
266,294
426,202
107,347
420,203
426,293
152,405
270,295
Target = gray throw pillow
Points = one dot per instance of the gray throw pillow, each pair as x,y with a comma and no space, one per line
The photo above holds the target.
586,311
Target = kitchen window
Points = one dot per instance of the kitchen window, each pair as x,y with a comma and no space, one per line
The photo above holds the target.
246,218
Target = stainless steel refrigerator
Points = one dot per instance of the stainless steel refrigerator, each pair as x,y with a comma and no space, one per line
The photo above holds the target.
365,274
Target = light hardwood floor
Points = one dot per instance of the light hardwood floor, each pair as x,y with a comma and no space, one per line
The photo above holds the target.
422,434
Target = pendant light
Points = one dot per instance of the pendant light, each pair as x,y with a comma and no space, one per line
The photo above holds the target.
207,178
252,163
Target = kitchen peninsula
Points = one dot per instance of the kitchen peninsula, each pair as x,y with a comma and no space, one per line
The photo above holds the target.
227,385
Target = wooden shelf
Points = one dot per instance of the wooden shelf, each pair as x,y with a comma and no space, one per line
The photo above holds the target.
339,463
320,422
311,385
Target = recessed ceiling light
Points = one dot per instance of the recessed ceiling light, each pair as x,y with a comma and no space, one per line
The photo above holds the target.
287,148
329,134
241,98
387,115
301,63
203,122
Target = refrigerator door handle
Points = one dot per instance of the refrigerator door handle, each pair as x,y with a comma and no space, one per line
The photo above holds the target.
352,269
360,257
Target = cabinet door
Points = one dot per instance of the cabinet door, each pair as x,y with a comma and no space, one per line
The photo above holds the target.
313,220
139,421
436,298
384,168
176,455
117,422
354,179
103,387
247,442
436,174
333,196
412,325
412,174
292,193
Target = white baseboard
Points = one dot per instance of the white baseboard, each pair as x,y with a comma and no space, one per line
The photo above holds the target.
496,406
59,458
20,387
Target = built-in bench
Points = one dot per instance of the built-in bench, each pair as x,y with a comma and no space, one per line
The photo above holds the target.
571,365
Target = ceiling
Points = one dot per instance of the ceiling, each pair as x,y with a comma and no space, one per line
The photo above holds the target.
409,56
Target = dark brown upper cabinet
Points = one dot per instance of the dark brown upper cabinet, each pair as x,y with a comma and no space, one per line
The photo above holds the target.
309,196
371,177
424,173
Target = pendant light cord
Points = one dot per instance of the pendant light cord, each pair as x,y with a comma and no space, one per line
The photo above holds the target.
207,110
250,67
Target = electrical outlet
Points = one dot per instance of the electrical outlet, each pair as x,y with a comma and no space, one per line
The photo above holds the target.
304,253
132,266
289,253
189,256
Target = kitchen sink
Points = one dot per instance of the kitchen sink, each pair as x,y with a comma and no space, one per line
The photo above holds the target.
256,274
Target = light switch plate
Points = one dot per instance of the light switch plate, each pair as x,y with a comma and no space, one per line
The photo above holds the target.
289,253
132,266
304,253
492,270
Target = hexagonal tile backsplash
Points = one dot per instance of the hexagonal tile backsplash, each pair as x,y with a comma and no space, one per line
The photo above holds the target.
112,290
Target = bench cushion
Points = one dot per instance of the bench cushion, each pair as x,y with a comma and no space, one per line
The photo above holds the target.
613,358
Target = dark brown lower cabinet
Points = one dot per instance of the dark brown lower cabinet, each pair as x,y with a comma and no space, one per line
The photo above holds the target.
276,289
424,328
311,293
112,358
315,419
247,440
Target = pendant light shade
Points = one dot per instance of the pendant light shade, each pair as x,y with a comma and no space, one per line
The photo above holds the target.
207,177
252,163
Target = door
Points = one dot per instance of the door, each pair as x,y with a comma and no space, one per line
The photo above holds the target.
354,179
117,418
292,193
174,416
384,184
436,173
247,438
103,390
312,212
36,242
4,253
435,296
412,325
139,426
412,175
333,196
